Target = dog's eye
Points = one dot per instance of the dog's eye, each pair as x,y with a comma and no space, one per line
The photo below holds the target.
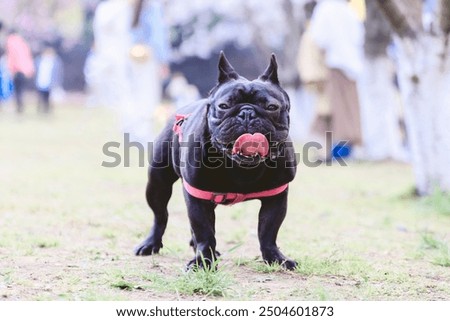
272,107
223,106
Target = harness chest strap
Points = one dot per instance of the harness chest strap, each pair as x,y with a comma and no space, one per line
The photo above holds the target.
230,198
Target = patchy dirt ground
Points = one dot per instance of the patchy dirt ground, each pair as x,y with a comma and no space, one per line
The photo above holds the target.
68,227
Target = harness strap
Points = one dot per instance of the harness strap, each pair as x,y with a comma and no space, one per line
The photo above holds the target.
179,120
230,198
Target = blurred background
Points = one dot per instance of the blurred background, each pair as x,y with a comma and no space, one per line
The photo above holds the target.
77,75
145,58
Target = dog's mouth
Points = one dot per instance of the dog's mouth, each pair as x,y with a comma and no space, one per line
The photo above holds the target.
251,145
249,150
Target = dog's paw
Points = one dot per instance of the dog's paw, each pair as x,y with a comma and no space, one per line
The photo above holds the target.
289,264
274,256
285,263
148,247
199,263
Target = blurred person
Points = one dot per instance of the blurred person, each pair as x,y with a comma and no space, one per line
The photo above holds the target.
97,92
336,29
149,65
6,85
313,74
48,76
20,64
106,66
1,36
131,53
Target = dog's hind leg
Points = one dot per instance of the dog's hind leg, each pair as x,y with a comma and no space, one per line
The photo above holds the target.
158,192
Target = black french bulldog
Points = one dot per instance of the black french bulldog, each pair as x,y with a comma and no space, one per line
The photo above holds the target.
227,148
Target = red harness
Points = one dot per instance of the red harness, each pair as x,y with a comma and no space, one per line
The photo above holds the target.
221,198
179,120
230,198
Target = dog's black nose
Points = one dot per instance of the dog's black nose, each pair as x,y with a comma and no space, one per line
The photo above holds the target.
247,114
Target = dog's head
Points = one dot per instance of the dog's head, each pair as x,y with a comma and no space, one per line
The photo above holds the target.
248,120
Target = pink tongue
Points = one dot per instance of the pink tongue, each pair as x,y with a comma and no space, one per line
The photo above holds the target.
249,145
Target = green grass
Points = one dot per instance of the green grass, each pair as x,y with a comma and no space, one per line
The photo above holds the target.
69,226
123,285
430,242
258,265
204,282
438,202
208,282
45,244
332,266
440,250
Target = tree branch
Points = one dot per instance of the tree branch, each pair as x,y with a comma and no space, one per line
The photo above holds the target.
378,30
397,18
137,13
445,16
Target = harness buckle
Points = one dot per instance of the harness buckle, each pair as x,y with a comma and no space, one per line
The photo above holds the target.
219,198
227,198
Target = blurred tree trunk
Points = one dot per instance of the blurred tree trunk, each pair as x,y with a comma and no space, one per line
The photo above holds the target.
424,77
88,13
380,105
287,54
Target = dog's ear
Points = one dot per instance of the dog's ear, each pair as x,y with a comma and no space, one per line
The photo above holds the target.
226,71
271,72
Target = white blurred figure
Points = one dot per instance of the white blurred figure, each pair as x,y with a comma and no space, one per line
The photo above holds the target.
313,74
181,92
108,62
129,59
339,33
98,90
49,77
149,65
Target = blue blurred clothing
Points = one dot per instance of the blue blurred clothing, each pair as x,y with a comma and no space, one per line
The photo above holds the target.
6,83
152,31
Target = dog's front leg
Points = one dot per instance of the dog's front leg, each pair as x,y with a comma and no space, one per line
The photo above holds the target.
271,216
202,219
